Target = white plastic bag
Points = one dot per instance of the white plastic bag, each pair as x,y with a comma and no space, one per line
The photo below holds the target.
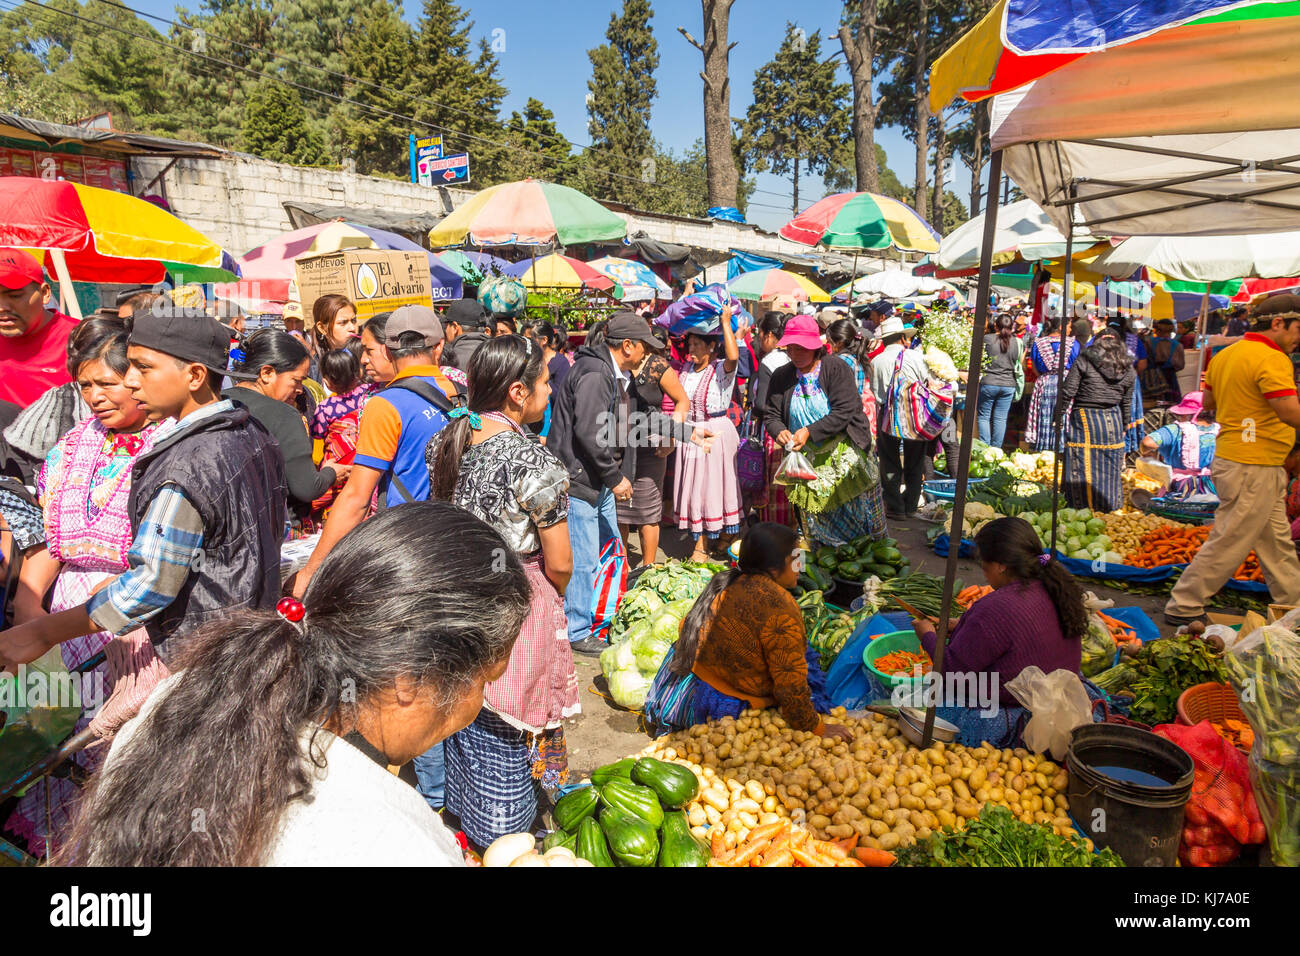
1057,703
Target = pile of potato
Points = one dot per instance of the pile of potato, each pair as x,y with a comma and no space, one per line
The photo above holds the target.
756,770
1126,528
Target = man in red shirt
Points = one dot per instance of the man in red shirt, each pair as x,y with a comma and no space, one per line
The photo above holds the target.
33,336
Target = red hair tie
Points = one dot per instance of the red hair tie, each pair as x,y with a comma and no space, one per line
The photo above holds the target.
293,611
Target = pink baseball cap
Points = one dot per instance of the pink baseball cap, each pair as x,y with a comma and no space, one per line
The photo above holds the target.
802,330
1192,404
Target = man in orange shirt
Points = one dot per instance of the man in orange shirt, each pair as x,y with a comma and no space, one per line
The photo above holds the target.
1250,388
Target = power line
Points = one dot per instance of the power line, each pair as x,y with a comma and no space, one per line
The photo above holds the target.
346,78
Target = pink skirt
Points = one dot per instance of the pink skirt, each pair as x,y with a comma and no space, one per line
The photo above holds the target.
540,686
706,492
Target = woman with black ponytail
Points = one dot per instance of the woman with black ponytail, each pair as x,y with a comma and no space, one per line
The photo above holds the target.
742,644
1035,615
486,462
270,744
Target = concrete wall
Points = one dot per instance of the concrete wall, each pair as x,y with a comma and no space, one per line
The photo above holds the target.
238,201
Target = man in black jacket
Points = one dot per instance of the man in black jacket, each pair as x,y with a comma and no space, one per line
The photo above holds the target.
590,434
207,502
466,326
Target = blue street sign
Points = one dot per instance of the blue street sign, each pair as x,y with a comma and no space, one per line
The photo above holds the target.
446,170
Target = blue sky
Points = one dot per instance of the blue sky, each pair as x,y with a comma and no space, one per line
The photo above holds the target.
545,56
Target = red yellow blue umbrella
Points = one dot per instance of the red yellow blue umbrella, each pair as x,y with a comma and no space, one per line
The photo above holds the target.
99,235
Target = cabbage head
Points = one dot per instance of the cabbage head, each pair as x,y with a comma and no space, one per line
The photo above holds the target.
629,687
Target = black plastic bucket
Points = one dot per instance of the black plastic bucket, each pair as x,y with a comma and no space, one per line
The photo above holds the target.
1127,791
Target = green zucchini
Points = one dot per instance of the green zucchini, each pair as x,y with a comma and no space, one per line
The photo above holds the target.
573,807
673,784
622,768
590,843
632,841
679,847
633,800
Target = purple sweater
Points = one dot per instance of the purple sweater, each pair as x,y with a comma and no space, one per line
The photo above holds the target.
1007,631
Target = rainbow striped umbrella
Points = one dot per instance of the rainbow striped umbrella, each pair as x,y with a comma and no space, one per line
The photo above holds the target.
861,221
563,272
1020,41
529,213
101,235
764,284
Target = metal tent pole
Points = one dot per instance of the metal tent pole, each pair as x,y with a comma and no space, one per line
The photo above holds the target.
1200,334
967,433
1058,440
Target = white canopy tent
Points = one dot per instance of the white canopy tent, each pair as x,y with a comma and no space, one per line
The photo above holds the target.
1023,229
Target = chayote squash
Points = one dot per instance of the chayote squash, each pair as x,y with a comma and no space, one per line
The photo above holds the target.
632,841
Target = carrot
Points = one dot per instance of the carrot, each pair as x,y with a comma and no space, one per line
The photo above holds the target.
781,857
751,849
767,830
848,843
869,856
830,850
849,862
808,857
718,845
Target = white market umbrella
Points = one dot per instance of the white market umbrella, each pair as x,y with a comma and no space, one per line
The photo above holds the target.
897,284
1023,230
1265,255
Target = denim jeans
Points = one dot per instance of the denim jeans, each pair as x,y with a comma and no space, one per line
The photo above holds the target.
431,772
590,528
994,406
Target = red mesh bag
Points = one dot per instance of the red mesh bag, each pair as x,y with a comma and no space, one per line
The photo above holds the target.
1221,814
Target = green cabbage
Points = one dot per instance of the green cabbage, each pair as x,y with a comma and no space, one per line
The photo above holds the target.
629,687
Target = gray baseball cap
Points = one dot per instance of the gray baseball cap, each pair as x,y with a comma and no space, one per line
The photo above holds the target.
413,318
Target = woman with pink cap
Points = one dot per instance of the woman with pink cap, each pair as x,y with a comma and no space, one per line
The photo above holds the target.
813,405
1185,445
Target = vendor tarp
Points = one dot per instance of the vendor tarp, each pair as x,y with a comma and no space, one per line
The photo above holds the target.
1183,133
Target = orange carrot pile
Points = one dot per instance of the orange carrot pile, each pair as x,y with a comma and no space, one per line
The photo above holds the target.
1168,545
1120,632
970,595
1236,732
784,844
903,662
1250,569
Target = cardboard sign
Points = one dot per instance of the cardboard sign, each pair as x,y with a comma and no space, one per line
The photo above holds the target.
376,280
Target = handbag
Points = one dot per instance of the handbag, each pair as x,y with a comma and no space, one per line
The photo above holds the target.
917,410
611,584
751,458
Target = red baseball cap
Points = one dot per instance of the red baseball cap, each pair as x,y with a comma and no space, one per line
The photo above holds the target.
19,269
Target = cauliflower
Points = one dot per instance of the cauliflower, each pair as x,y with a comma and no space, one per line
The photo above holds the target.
941,366
978,511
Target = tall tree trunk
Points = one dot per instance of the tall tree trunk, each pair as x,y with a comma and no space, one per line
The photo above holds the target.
941,150
860,50
720,163
794,209
920,94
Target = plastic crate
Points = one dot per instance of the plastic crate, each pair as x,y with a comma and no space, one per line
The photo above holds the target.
885,644
945,489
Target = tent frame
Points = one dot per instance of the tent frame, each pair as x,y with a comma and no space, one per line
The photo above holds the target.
1071,201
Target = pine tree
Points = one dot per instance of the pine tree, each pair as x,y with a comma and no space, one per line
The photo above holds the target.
539,152
208,97
842,176
115,72
458,91
276,126
621,163
799,117
380,50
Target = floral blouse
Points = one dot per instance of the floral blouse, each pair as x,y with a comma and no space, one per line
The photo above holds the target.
515,485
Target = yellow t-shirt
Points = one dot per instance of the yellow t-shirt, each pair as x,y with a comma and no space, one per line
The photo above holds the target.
1243,377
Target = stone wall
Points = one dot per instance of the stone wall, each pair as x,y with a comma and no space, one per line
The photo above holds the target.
238,200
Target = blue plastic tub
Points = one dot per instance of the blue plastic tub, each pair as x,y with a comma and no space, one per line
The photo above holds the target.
945,489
